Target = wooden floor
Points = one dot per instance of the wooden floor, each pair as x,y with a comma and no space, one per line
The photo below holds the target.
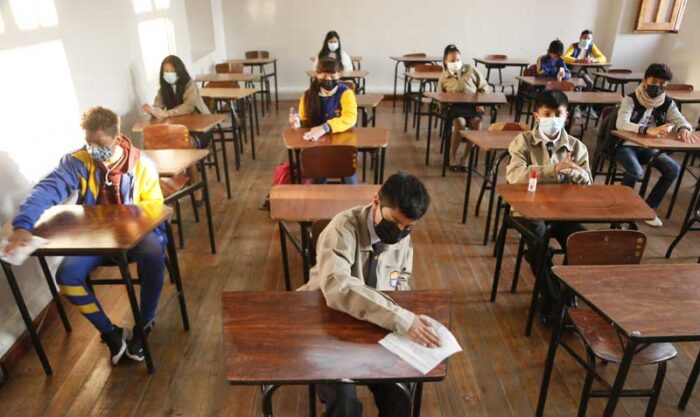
498,374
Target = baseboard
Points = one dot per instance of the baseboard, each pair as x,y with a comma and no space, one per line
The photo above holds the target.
23,344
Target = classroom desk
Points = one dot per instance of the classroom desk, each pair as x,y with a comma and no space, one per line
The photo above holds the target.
356,59
102,230
528,86
410,60
197,124
365,101
357,77
495,144
594,98
264,344
231,96
248,78
663,145
641,307
423,78
499,64
621,78
563,203
369,139
448,99
585,66
681,97
542,82
171,162
261,63
306,203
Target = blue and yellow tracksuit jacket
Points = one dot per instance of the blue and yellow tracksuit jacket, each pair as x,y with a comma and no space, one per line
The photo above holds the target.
572,54
549,68
339,110
77,171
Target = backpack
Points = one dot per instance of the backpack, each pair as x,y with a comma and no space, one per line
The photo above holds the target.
605,142
283,175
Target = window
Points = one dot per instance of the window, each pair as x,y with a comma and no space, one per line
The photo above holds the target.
34,14
157,40
660,16
200,27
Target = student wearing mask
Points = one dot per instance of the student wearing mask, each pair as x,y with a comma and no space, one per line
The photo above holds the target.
363,252
460,78
552,65
328,106
648,111
557,158
331,49
109,169
584,51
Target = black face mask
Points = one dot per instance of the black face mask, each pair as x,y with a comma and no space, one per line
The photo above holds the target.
328,85
388,232
655,90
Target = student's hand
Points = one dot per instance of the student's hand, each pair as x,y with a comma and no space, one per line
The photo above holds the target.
315,133
480,109
422,332
566,165
686,136
159,113
147,108
660,131
292,119
18,238
592,60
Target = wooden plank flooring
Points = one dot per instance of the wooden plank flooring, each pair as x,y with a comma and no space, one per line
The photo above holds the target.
497,375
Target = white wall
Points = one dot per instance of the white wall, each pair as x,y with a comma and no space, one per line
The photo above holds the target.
59,57
685,56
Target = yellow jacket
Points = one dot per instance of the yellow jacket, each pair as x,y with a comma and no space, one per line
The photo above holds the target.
570,56
339,110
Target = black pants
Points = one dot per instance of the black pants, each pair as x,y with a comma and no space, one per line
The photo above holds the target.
539,251
341,400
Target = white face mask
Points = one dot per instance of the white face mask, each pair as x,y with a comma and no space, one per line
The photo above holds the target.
454,66
550,126
585,43
170,77
333,46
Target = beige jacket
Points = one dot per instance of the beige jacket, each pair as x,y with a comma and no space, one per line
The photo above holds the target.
470,80
191,101
528,151
343,257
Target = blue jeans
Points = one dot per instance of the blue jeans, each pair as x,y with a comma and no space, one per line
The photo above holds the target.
73,272
633,157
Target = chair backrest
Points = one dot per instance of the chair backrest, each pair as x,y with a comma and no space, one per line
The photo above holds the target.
605,247
409,65
508,126
427,68
316,228
257,54
222,68
166,136
620,71
210,102
560,85
679,87
530,71
350,84
328,161
496,56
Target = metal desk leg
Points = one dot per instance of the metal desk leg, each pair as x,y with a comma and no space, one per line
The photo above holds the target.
266,392
250,111
469,183
207,208
17,294
374,116
382,155
539,278
647,173
498,252
396,78
277,102
312,400
285,255
305,250
54,293
417,399
225,158
688,390
620,378
292,167
679,180
123,264
176,277
297,164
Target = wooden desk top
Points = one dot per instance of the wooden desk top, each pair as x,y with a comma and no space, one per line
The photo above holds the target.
593,97
368,100
584,203
227,93
96,230
644,301
360,137
417,60
173,161
469,98
621,76
490,141
311,202
195,122
589,65
353,58
542,82
423,76
509,62
685,96
667,144
243,77
252,61
294,338
344,74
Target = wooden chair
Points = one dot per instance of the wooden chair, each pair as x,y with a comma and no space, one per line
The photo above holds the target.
316,228
418,99
265,91
498,57
408,67
560,85
350,84
679,87
614,85
599,337
525,95
328,161
235,127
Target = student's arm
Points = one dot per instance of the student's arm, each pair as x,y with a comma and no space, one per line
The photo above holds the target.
624,114
567,72
158,101
441,83
149,183
602,59
348,113
519,167
569,55
676,118
189,101
407,268
302,111
580,158
347,61
480,81
543,71
53,189
349,294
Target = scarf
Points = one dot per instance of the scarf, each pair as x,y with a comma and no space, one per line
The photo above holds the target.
646,101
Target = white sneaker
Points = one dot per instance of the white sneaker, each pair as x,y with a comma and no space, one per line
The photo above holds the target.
654,223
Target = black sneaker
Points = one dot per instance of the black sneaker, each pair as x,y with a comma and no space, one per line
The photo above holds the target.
116,342
135,348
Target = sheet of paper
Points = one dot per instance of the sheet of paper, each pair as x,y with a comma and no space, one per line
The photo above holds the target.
422,358
22,253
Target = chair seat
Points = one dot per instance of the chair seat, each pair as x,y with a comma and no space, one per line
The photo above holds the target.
605,342
171,185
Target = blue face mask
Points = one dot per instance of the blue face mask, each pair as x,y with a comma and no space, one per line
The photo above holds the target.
100,153
551,126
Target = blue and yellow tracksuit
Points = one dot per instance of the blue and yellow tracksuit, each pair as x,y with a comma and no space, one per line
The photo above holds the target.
78,172
574,53
549,68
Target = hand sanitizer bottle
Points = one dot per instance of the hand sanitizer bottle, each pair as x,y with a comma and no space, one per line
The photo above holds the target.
532,184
